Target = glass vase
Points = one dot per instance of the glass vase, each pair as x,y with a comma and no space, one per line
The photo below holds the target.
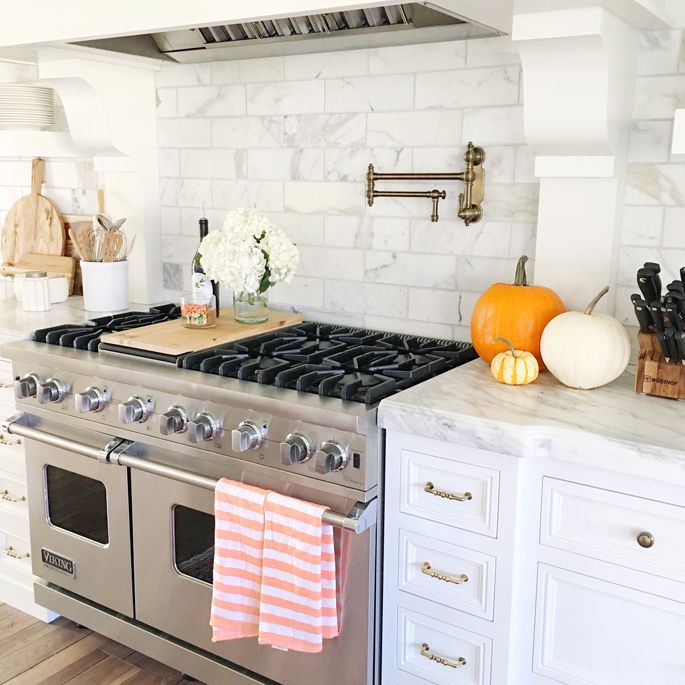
250,307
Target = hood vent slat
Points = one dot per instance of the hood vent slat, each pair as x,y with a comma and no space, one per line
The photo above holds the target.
364,27
329,22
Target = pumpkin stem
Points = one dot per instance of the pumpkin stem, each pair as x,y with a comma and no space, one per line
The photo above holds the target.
508,344
590,308
520,277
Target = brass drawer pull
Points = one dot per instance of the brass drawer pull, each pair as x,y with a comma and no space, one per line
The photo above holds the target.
430,489
5,496
645,539
457,580
425,651
5,441
13,554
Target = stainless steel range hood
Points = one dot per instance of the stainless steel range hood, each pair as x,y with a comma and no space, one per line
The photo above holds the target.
377,26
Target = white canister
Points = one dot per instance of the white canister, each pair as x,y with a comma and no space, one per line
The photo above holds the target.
35,292
105,286
58,287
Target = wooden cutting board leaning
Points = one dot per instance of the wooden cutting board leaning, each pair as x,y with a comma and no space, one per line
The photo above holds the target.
33,224
51,264
170,337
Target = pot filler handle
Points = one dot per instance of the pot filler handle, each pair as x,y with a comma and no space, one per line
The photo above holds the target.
362,516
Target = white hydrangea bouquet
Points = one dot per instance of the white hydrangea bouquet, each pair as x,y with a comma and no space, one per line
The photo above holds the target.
249,254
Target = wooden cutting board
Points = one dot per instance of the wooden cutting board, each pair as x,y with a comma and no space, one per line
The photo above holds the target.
51,264
170,337
33,224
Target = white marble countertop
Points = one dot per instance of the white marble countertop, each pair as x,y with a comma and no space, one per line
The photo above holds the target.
15,323
467,406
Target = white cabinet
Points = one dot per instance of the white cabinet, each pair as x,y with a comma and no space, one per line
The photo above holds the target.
448,491
533,571
448,563
16,578
441,653
624,529
597,631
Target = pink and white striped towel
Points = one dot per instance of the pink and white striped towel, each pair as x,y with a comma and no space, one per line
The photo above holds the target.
274,570
298,602
238,553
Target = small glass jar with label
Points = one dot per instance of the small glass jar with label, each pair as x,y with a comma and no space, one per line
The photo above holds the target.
198,311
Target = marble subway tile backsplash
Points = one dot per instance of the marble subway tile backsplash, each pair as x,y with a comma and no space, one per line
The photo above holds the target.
293,136
653,227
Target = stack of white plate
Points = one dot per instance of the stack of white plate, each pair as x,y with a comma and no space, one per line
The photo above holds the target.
26,107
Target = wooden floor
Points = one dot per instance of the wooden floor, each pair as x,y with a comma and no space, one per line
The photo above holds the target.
37,653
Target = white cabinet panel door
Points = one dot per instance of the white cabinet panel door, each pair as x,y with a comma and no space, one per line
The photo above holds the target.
455,576
441,653
606,525
593,631
449,492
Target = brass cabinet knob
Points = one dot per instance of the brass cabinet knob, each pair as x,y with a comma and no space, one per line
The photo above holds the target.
645,539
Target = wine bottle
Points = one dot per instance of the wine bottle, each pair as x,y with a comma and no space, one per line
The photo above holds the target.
203,287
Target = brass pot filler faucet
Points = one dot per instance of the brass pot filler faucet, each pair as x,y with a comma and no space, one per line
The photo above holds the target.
470,210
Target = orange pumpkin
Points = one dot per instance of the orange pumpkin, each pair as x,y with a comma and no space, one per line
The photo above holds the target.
517,312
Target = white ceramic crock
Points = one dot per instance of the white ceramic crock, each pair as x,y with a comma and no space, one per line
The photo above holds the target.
105,286
35,292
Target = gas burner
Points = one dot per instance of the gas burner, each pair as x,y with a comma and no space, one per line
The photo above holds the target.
86,336
333,361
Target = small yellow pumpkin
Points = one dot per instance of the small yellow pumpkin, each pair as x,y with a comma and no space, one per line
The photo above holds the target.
514,367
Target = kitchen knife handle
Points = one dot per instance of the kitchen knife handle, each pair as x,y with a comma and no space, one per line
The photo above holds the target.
644,316
645,281
656,268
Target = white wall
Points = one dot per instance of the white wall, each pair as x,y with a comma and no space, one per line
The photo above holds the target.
293,137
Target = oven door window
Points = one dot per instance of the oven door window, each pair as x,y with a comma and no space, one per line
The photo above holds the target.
193,543
77,504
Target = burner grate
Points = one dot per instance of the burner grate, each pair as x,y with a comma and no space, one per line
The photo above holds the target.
86,336
353,364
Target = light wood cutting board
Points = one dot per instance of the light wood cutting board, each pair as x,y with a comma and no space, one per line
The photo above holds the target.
170,337
52,264
33,224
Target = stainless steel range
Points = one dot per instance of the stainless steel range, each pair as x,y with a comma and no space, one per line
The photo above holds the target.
123,454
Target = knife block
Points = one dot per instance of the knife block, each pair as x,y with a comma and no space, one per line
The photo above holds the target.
656,376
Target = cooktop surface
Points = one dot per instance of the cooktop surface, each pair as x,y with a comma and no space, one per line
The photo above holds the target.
349,363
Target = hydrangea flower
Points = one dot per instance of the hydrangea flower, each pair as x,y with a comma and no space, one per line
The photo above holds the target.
249,254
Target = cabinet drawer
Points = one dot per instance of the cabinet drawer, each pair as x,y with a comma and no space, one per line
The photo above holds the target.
6,376
7,405
13,505
453,576
592,631
12,457
606,525
459,657
14,552
449,492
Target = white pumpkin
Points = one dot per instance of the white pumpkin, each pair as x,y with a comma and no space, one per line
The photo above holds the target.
585,350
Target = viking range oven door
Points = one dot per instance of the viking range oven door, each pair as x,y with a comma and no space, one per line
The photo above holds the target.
79,518
173,527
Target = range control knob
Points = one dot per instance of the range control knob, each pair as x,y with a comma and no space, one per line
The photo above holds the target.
295,449
331,456
247,436
26,386
91,399
50,391
174,420
134,410
203,427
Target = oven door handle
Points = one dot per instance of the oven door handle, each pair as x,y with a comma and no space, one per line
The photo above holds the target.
362,516
18,424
